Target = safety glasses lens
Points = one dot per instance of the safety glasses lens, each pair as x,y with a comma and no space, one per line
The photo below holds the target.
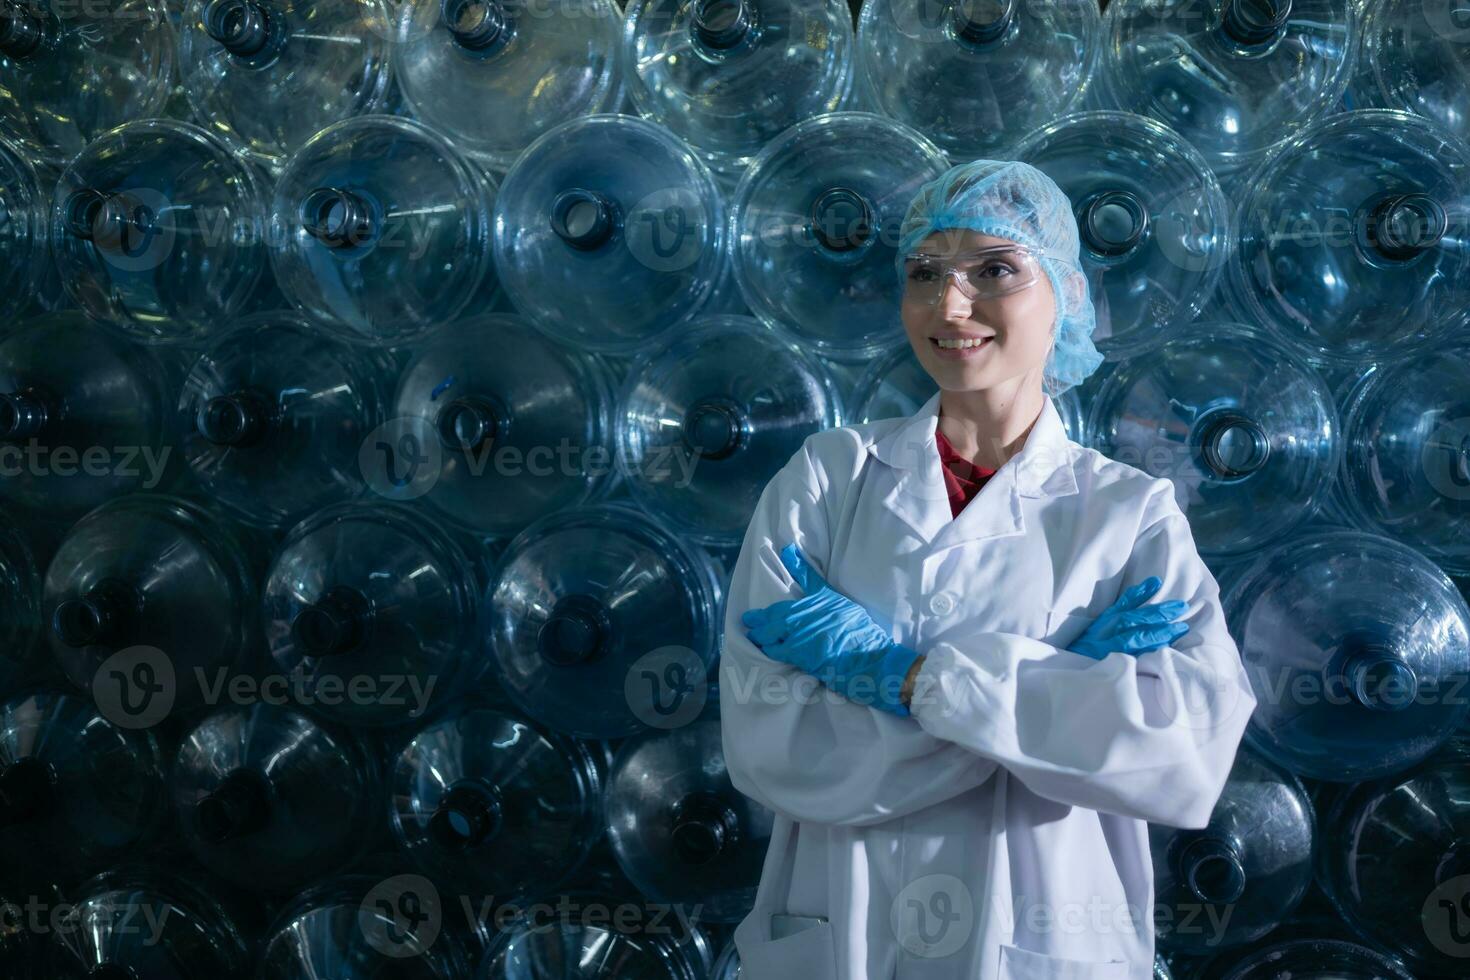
979,275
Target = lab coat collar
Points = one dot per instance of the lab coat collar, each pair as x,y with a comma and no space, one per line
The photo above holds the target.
1042,468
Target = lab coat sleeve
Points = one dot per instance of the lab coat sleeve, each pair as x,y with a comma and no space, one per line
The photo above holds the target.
1151,736
790,743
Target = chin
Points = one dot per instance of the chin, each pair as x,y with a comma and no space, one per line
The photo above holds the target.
959,377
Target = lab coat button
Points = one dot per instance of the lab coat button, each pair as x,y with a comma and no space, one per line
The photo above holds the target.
941,603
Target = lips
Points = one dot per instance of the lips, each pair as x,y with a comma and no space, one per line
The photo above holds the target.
960,352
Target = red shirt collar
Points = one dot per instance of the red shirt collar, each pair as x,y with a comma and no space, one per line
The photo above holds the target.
962,478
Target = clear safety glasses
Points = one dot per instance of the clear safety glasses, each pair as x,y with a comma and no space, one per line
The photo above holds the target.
983,273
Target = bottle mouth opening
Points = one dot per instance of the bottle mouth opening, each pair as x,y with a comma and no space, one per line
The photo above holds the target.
723,25
584,219
236,420
983,21
79,623
468,815
22,28
842,219
337,218
247,29
1254,22
476,25
338,623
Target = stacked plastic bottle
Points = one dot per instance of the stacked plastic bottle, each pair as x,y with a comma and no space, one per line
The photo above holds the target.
385,389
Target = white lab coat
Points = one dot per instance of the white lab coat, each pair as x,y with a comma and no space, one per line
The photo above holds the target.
999,832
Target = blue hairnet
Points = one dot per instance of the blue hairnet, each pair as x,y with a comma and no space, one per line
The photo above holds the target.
1017,202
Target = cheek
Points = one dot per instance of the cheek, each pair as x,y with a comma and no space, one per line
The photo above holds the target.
1029,329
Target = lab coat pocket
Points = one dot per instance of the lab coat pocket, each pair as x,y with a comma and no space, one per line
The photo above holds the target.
805,955
1023,964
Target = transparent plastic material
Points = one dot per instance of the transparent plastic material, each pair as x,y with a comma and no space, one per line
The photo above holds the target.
380,229
270,800
727,967
373,607
496,804
1153,222
506,440
1246,430
368,925
77,792
678,827
710,418
269,74
1233,77
815,221
977,77
189,934
275,415
700,66
610,232
1365,637
1253,861
602,599
73,71
20,607
1418,54
25,211
493,75
1351,239
1408,475
928,275
644,940
162,593
1395,859
158,227
71,387
1317,959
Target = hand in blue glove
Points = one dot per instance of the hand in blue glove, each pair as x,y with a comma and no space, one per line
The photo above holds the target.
832,638
1127,627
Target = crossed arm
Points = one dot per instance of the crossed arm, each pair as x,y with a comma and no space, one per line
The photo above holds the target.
1151,736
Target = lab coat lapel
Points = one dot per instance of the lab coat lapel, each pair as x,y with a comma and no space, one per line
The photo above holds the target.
918,496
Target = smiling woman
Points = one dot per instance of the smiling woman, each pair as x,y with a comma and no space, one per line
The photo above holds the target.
1006,714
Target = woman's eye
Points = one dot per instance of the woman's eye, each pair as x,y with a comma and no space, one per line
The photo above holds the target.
921,274
994,270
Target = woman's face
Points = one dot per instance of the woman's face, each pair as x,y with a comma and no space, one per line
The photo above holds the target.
1018,324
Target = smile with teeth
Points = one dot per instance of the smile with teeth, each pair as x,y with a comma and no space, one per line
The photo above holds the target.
945,344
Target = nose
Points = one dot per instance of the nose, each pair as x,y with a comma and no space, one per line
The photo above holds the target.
954,300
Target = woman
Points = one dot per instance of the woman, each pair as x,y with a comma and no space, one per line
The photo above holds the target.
963,718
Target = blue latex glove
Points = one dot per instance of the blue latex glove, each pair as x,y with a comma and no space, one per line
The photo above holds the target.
1128,627
832,638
